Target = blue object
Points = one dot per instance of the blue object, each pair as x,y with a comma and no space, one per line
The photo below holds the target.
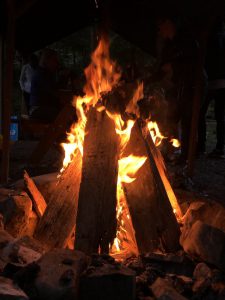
14,129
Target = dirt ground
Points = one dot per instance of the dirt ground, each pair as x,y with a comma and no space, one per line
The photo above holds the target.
208,180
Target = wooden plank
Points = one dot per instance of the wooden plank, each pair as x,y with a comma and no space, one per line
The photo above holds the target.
152,216
58,221
54,130
38,200
96,217
7,88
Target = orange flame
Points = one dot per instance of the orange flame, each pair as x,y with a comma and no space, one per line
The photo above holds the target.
132,107
156,135
101,75
125,242
175,143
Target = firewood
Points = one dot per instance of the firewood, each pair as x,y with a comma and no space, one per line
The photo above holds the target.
38,200
59,218
152,216
96,217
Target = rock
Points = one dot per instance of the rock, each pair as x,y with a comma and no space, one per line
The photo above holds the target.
12,251
205,242
178,264
108,281
16,211
202,275
182,284
9,291
56,277
202,271
202,211
162,289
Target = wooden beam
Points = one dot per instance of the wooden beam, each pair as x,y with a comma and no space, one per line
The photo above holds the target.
152,216
96,217
7,88
59,219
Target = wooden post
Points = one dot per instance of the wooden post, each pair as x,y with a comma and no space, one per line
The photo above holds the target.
7,88
152,216
96,216
1,80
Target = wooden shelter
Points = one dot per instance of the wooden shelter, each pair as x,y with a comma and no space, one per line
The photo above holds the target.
29,25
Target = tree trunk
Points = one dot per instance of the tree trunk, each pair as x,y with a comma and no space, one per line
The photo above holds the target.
96,218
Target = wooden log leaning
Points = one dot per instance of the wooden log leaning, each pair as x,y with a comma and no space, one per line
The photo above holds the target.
152,216
38,200
58,221
96,217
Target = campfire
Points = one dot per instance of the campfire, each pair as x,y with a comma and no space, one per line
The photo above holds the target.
109,226
112,187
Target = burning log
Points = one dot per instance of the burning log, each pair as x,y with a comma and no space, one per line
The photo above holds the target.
37,198
58,220
152,215
96,217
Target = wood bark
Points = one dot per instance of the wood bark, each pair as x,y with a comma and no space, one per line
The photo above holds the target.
38,200
152,216
96,218
58,221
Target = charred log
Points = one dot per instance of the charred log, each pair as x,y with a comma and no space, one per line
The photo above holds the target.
96,217
152,215
58,221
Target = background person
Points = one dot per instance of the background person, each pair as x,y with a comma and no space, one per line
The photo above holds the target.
26,75
44,99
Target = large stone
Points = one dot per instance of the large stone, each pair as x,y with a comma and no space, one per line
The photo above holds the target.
108,281
205,242
58,278
178,264
163,290
16,211
202,211
9,291
14,251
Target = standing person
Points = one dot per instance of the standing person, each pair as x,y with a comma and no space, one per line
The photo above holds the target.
179,56
215,68
44,98
26,77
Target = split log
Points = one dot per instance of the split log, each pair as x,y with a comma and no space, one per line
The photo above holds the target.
96,217
59,218
38,200
152,216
